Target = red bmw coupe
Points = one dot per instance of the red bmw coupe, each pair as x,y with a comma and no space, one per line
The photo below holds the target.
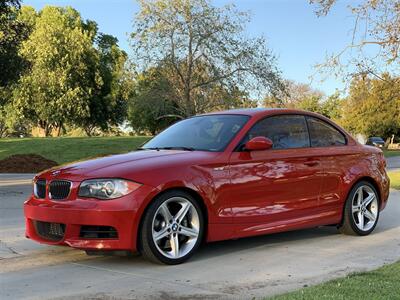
212,177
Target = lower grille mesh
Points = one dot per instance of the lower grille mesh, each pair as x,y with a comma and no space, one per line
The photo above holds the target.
50,231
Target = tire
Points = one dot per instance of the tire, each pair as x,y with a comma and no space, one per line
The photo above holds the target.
166,237
361,211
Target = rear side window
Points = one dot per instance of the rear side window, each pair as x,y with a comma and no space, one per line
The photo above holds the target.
323,134
287,131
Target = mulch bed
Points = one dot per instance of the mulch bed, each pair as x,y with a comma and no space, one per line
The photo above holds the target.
25,163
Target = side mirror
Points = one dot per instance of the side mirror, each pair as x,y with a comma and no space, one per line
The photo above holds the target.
258,143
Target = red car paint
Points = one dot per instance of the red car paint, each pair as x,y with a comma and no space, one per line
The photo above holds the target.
243,193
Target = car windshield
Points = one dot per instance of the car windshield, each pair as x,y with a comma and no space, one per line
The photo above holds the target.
206,133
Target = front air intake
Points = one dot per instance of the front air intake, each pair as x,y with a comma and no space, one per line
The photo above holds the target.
98,232
50,231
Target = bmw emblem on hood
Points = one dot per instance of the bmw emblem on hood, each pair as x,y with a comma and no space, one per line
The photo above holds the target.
55,173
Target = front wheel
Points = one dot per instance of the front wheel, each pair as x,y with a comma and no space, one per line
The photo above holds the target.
172,228
361,212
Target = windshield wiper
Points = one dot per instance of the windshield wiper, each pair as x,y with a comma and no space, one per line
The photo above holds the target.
179,148
153,148
169,148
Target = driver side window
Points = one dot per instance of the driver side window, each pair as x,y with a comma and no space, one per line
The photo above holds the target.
286,131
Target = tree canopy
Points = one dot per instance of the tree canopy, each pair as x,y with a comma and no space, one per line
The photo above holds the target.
293,95
203,52
108,105
151,107
374,45
373,106
13,30
74,75
63,74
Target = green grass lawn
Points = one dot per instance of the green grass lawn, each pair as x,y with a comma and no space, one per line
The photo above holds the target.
383,283
394,180
390,153
67,149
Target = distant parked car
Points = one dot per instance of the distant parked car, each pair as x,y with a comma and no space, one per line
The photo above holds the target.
376,141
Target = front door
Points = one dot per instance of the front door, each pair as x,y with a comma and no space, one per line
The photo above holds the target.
279,185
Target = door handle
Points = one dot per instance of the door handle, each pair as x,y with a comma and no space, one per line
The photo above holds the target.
312,163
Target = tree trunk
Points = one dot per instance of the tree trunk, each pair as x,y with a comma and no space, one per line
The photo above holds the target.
45,127
89,130
188,103
59,129
3,129
47,131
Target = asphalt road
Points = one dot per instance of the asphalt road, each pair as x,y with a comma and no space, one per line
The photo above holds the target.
242,269
393,163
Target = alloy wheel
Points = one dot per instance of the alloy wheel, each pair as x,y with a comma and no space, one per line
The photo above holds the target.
175,227
365,208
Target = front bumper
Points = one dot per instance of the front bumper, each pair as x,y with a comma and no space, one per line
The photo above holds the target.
121,214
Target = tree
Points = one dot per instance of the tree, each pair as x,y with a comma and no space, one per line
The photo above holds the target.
150,106
63,75
375,41
13,30
108,105
296,95
311,103
303,96
373,106
332,107
202,50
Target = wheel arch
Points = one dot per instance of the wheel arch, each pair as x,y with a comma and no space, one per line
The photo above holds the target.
371,181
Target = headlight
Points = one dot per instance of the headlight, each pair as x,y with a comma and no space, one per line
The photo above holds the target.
105,189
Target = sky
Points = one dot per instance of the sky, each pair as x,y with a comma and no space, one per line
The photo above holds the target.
295,34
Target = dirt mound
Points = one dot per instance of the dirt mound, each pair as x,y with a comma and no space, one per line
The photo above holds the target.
25,163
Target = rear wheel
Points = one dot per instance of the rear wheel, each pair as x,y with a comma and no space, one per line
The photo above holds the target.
361,212
172,228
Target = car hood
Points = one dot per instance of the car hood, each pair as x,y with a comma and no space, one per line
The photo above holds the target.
123,165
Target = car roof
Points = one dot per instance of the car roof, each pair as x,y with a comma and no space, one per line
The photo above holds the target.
260,111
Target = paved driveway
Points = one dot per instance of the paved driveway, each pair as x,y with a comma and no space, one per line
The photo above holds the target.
245,268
